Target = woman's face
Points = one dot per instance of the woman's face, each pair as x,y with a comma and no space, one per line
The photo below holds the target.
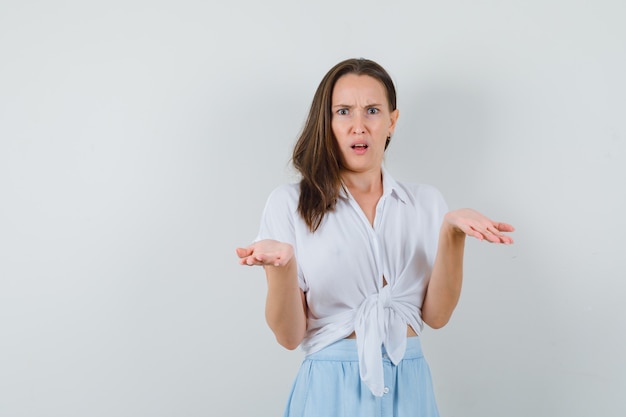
361,121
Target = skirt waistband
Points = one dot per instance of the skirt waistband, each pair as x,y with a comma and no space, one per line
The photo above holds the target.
346,350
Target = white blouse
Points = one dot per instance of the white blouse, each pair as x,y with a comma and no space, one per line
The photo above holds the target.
342,264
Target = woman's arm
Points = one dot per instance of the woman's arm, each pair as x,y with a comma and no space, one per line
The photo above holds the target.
285,306
444,288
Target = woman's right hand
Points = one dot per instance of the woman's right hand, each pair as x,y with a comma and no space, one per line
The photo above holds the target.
266,253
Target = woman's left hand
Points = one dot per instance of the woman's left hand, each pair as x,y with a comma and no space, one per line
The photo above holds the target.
472,223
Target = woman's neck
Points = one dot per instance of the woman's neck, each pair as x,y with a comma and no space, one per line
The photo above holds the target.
363,182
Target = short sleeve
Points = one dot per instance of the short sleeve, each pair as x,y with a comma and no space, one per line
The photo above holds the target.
280,221
438,208
431,208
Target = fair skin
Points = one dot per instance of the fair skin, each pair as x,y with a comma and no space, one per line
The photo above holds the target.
362,121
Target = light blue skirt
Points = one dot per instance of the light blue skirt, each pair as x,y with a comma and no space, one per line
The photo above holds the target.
328,385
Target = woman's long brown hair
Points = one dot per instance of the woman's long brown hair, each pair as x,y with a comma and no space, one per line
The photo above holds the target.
316,154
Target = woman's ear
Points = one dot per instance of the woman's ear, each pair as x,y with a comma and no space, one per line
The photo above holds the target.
393,118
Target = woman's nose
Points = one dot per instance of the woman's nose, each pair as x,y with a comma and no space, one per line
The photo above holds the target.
359,125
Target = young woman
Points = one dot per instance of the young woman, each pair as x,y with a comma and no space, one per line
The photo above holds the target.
357,262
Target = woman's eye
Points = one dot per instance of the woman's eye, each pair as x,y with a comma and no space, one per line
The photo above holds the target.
342,112
372,110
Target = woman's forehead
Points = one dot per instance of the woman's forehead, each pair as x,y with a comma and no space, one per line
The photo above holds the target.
353,86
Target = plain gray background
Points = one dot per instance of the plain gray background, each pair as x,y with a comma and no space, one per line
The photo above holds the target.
139,140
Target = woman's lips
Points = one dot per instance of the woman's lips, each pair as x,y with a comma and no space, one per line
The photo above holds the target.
359,148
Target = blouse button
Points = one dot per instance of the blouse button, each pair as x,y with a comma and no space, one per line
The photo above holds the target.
386,390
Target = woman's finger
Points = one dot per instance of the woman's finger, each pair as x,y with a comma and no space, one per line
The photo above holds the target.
504,227
243,252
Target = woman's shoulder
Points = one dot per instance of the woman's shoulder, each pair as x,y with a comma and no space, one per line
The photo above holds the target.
424,197
285,195
411,190
420,191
